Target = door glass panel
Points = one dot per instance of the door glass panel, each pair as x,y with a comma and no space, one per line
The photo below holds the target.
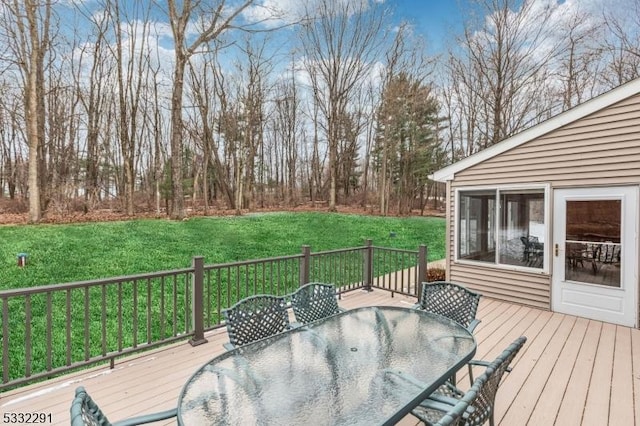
522,228
592,243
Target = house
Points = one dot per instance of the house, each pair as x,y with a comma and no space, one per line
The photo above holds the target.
549,217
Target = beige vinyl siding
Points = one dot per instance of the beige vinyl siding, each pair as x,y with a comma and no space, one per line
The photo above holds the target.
511,286
602,149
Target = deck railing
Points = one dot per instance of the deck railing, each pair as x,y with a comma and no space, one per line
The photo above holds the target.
53,329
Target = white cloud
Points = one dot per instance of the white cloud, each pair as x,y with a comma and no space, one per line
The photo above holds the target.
274,13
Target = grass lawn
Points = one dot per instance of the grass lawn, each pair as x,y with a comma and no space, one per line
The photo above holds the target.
67,253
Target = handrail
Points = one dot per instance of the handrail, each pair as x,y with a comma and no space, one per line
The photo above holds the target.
81,284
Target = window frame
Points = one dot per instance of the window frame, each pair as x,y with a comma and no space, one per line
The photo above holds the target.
544,187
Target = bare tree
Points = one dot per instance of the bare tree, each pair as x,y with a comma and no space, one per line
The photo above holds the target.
27,24
623,44
214,20
501,69
132,71
341,40
91,90
286,125
254,86
11,137
578,59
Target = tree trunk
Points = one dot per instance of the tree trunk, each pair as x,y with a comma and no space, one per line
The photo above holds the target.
177,192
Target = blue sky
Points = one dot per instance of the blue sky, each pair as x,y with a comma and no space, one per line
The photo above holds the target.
439,22
434,19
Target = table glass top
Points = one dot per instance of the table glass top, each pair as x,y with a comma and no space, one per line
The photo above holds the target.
363,366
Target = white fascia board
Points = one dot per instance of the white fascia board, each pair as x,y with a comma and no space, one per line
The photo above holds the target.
589,107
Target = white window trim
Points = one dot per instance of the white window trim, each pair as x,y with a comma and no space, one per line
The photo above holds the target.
546,187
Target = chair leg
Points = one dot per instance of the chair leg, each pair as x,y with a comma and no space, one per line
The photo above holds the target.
470,374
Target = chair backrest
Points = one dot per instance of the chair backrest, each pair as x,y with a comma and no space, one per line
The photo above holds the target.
85,412
314,301
255,318
607,253
450,300
455,416
484,402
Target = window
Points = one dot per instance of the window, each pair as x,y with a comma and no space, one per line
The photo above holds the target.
502,226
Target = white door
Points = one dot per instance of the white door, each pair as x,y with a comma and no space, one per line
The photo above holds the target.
595,257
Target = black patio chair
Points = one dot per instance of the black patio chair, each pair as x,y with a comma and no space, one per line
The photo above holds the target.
481,408
436,413
606,253
533,252
255,318
85,412
452,301
314,301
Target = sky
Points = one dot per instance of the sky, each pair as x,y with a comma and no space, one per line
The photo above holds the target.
439,21
436,20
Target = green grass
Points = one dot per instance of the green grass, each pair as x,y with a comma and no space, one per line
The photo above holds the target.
67,253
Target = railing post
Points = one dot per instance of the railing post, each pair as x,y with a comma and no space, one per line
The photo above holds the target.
422,268
368,265
304,265
197,290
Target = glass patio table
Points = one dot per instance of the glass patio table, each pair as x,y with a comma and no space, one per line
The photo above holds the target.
367,366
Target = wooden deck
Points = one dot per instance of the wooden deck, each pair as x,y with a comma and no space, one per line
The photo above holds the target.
572,371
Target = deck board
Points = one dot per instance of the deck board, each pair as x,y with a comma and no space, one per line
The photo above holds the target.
573,404
550,399
635,358
621,407
571,371
596,410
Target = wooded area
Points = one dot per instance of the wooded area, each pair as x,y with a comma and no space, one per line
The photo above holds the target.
164,106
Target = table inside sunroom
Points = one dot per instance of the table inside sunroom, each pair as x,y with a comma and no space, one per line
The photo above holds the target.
367,366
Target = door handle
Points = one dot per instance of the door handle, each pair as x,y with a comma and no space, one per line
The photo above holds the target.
556,249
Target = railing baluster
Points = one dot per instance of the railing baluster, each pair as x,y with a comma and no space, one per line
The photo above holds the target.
254,277
398,261
230,300
219,293
120,317
87,348
104,319
162,313
208,287
5,340
175,306
187,310
135,314
149,313
271,277
27,335
279,278
49,331
68,322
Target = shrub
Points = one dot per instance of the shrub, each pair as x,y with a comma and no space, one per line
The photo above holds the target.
436,274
